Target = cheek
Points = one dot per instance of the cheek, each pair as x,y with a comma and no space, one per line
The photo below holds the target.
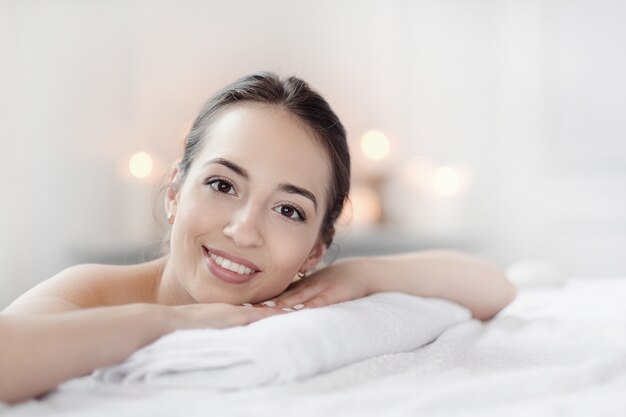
199,213
288,254
193,220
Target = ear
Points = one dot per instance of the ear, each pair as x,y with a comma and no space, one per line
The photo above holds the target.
315,256
171,193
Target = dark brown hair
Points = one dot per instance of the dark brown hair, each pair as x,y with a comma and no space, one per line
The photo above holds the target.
294,96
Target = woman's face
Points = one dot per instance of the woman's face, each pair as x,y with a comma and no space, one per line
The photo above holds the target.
248,214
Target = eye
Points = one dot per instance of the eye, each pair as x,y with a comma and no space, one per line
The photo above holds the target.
290,212
222,186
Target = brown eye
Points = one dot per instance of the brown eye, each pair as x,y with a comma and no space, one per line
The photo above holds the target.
222,186
290,212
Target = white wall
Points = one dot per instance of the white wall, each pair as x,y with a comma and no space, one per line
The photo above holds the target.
526,94
562,93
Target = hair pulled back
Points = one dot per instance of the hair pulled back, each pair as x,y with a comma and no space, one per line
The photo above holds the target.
294,96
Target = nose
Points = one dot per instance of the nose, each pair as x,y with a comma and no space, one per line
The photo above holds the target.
243,228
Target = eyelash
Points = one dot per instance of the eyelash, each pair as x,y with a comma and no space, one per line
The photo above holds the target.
300,213
214,184
213,181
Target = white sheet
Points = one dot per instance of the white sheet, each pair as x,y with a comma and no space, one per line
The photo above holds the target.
555,351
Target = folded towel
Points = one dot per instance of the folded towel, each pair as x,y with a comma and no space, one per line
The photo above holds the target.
289,347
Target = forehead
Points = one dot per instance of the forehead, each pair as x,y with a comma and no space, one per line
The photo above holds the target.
272,144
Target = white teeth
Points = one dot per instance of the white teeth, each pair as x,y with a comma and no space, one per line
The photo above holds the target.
231,266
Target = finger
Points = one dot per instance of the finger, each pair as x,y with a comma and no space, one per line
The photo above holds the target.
300,296
271,305
296,284
288,292
254,314
276,301
267,304
323,299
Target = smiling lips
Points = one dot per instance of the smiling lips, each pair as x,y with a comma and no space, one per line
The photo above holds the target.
229,268
231,265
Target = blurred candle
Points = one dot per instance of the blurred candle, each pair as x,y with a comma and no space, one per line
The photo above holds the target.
140,164
446,181
435,200
140,224
366,205
375,145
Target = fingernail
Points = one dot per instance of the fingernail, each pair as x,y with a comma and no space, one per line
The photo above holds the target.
298,306
269,303
247,304
287,309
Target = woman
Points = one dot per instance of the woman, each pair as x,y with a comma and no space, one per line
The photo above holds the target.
252,206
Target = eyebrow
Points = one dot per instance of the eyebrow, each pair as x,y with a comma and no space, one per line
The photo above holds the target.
294,189
283,186
231,165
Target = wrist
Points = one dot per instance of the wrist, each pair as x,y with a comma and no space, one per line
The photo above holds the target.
370,275
155,320
166,319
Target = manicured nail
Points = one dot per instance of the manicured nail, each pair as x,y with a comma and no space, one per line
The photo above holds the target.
247,304
269,303
298,306
287,309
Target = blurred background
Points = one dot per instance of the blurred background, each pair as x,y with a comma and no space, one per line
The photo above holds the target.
496,127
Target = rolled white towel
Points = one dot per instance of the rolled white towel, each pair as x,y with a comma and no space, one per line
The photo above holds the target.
289,347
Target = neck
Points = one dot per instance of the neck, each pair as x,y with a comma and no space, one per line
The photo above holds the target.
168,289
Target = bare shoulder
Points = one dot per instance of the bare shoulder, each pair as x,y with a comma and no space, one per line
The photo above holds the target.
89,285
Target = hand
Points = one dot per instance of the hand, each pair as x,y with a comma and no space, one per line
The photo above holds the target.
215,315
333,284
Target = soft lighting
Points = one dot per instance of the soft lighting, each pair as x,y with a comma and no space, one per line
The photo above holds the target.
446,181
366,205
417,172
140,164
375,145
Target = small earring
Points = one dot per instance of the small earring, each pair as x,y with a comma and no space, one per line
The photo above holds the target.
170,218
301,274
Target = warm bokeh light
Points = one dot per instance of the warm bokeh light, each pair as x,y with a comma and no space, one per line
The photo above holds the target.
140,164
446,181
417,172
366,205
375,145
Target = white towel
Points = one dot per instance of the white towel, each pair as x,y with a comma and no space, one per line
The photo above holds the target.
289,347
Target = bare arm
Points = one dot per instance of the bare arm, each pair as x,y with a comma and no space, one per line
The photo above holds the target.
37,352
464,279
